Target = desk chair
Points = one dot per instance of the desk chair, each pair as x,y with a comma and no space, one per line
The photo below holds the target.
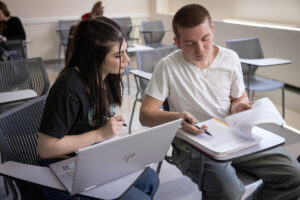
19,46
126,25
63,33
250,48
21,75
147,61
153,32
18,140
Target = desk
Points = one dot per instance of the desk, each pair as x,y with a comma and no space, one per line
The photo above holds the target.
138,47
265,144
262,62
44,176
8,97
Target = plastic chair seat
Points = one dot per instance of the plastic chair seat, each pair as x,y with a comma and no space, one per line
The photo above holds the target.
261,84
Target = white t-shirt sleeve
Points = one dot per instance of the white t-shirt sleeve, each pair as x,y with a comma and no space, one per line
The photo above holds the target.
237,84
158,86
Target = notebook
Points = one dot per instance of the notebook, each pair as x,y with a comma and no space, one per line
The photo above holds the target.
238,133
109,160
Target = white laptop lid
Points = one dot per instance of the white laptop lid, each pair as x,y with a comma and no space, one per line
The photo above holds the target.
106,161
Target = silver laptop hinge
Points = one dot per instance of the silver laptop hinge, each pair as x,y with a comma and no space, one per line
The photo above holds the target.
89,187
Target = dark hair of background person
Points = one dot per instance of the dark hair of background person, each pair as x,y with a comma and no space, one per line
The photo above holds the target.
6,12
97,10
93,40
4,9
190,16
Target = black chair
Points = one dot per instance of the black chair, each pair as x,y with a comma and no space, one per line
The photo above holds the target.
19,46
18,140
23,74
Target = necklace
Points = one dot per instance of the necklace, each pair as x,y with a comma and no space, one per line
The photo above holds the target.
207,67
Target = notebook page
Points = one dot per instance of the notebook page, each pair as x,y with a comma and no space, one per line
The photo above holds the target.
262,111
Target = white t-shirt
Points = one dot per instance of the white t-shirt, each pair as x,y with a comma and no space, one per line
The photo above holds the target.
202,93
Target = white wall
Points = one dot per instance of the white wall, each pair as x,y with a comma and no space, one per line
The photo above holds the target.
272,11
40,18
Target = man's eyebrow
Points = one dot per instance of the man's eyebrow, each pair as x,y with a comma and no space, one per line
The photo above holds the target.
195,40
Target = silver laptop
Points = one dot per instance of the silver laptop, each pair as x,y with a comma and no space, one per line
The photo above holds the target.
109,160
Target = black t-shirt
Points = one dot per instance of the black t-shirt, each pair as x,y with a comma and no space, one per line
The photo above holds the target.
13,29
68,108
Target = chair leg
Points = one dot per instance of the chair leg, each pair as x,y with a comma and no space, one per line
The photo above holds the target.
252,95
12,188
159,167
283,102
4,179
131,118
128,84
59,48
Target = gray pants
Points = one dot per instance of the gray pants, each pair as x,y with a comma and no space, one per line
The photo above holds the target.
218,181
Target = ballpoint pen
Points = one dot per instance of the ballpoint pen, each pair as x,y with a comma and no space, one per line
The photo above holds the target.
107,118
206,132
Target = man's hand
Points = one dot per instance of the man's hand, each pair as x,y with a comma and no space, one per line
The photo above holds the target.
188,124
240,104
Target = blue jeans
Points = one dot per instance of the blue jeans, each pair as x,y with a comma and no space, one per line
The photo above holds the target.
144,189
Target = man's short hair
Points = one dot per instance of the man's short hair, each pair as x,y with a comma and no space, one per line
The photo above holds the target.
190,16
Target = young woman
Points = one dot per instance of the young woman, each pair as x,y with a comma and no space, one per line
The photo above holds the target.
11,28
81,106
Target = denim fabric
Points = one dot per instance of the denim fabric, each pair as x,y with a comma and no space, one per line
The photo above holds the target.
279,171
144,189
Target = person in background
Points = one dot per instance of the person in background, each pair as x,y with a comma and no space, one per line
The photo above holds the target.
97,11
80,109
202,80
11,28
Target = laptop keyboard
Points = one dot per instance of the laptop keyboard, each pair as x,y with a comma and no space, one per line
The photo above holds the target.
68,174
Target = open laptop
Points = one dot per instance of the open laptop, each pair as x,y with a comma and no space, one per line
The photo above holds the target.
109,160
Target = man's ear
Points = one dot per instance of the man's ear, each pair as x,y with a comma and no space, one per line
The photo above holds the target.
177,42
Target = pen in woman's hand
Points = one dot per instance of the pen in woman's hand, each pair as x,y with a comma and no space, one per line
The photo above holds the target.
206,132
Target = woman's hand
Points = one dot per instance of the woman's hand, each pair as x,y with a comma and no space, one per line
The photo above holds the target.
112,127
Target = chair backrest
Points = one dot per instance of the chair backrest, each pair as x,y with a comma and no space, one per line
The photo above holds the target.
153,32
64,29
19,46
24,74
147,61
246,48
18,132
125,23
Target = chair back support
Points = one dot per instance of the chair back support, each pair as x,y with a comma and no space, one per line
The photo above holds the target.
24,74
246,48
125,24
18,132
19,46
153,32
147,61
64,29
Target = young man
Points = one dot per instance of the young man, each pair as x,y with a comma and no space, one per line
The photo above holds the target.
200,81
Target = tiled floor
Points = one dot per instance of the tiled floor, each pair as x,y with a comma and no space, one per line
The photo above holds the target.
174,186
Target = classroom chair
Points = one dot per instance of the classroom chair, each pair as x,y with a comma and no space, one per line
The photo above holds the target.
21,75
250,48
18,140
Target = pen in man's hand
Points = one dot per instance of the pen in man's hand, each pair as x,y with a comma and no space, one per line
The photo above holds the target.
206,132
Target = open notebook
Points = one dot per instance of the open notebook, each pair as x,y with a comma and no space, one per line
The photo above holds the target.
236,132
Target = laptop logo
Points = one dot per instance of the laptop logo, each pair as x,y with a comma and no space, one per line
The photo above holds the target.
128,156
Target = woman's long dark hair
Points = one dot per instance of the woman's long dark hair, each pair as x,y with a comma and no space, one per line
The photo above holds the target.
6,12
93,40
